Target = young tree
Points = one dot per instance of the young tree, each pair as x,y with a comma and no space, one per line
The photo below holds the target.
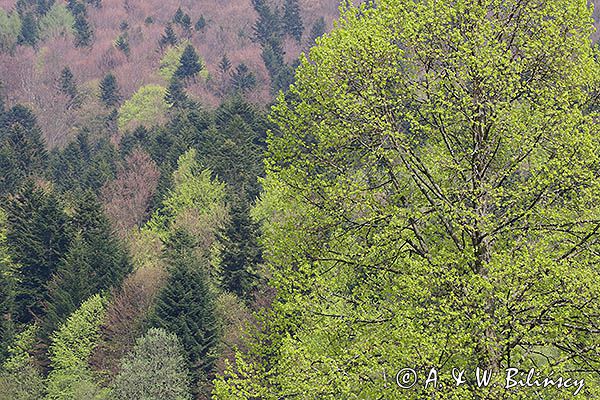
168,38
189,63
177,17
200,24
155,369
292,20
317,30
432,199
109,91
29,30
68,87
224,65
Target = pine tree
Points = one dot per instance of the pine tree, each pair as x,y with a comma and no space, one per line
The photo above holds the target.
185,305
292,20
168,38
122,43
83,31
268,25
186,23
29,30
189,63
7,286
175,95
242,79
109,90
178,15
36,236
22,149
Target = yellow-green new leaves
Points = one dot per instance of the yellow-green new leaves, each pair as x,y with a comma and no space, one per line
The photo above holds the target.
432,200
70,350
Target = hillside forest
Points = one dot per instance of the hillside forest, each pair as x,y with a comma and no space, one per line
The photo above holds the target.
297,199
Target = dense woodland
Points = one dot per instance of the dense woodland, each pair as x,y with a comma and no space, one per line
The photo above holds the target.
244,200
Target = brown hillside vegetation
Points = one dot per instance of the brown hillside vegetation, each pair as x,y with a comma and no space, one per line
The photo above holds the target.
30,75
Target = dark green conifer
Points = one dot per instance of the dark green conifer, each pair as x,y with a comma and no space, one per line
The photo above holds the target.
109,90
185,306
189,63
292,20
29,30
175,95
168,38
200,24
242,79
83,31
317,30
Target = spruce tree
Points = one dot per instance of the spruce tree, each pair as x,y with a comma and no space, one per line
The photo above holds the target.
185,305
317,30
168,38
189,63
22,149
7,286
224,65
200,24
109,90
242,79
68,87
175,95
292,20
83,31
36,236
177,17
29,30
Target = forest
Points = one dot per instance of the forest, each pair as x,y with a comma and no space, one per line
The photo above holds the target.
299,199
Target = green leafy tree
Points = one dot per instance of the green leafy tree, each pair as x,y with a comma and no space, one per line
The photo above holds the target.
109,91
189,63
431,200
10,30
20,378
292,19
72,345
156,369
58,21
146,107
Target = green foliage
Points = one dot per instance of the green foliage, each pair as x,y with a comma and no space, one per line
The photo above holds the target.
7,287
58,21
242,79
186,305
146,107
29,33
168,38
70,350
109,91
200,24
122,43
317,30
10,29
292,19
22,149
171,62
20,378
176,96
432,199
156,369
68,87
83,31
189,63
37,239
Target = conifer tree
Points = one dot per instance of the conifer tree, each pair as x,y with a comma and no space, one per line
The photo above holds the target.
36,236
177,17
200,24
22,149
224,65
242,79
109,90
175,95
29,30
7,283
189,63
317,30
185,305
168,38
83,31
292,20
68,86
